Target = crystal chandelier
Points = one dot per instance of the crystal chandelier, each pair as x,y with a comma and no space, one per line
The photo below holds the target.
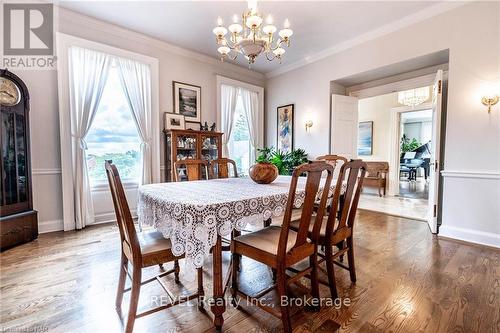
252,38
413,97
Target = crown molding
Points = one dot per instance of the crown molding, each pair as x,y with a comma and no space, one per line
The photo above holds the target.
404,22
74,18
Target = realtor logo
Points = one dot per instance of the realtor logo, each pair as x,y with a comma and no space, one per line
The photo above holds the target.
28,29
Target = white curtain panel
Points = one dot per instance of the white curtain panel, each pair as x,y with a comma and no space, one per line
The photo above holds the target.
229,97
250,101
136,82
88,71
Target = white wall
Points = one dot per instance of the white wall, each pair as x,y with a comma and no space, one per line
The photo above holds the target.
175,64
378,110
471,33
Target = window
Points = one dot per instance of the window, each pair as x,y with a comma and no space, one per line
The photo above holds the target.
113,135
239,144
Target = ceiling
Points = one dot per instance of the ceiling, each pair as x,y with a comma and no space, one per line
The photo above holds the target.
317,25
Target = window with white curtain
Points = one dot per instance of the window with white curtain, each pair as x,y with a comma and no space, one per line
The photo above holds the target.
240,148
113,134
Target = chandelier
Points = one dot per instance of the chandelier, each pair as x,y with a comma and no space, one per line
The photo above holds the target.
413,97
252,38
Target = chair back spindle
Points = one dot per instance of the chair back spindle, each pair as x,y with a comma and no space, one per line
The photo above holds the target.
193,169
220,168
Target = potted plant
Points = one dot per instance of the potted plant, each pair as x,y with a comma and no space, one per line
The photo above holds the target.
264,171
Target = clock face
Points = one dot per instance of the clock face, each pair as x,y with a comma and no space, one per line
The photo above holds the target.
9,92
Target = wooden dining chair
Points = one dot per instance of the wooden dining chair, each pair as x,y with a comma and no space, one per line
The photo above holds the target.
220,168
140,251
280,247
337,230
193,169
333,160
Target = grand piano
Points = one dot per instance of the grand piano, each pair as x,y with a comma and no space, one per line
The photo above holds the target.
418,158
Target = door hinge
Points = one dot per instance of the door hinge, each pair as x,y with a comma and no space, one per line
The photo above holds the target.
439,86
435,210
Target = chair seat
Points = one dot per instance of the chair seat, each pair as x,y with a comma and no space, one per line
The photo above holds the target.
262,245
155,248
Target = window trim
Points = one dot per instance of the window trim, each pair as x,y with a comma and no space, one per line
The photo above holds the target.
64,42
240,84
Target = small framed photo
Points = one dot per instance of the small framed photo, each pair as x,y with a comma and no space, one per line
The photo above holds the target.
193,125
187,101
174,121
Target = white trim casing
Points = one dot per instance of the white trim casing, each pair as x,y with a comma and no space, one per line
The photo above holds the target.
65,41
235,83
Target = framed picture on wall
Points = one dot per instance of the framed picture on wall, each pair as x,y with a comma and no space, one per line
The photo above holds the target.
365,138
285,128
174,121
187,101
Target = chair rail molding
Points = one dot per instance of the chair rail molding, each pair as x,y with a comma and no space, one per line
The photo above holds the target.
470,174
43,171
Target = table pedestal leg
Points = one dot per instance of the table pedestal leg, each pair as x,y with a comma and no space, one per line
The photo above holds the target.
219,304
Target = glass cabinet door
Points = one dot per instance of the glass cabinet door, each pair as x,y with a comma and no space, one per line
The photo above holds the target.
210,149
186,148
13,150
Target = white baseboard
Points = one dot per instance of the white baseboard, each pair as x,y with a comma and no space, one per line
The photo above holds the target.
110,217
470,235
50,226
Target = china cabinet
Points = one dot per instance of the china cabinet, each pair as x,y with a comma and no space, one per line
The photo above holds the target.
190,144
18,220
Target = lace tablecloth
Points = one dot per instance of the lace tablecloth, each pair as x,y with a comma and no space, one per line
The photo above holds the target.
192,213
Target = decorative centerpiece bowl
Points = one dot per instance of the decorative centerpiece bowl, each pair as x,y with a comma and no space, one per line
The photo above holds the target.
263,172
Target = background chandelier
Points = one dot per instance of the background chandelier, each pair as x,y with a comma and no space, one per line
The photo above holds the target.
252,37
413,97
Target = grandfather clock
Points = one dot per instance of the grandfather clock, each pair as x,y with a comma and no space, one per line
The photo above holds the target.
18,220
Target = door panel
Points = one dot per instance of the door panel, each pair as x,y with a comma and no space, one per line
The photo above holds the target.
344,131
434,170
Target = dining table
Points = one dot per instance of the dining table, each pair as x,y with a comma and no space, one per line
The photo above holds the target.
196,215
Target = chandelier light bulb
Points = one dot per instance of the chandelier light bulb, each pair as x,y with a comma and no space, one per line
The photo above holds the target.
224,50
252,6
269,29
235,18
219,21
286,33
235,28
269,19
220,31
279,51
286,24
254,21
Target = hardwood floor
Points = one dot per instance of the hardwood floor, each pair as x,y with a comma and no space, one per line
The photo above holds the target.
407,281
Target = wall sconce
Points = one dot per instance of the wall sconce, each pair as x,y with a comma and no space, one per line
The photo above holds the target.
309,124
490,101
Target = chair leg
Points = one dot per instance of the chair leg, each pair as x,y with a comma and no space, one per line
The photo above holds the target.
282,292
121,282
177,270
134,298
201,291
313,262
330,271
234,277
350,257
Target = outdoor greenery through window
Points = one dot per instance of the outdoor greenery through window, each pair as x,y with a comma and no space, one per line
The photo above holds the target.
113,135
239,144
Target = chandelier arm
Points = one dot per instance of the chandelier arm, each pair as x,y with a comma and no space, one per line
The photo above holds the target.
270,59
278,45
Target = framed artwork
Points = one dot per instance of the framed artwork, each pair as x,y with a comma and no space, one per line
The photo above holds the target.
365,138
174,121
187,101
193,125
285,128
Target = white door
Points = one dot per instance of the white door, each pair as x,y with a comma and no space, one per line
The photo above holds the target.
435,168
344,132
